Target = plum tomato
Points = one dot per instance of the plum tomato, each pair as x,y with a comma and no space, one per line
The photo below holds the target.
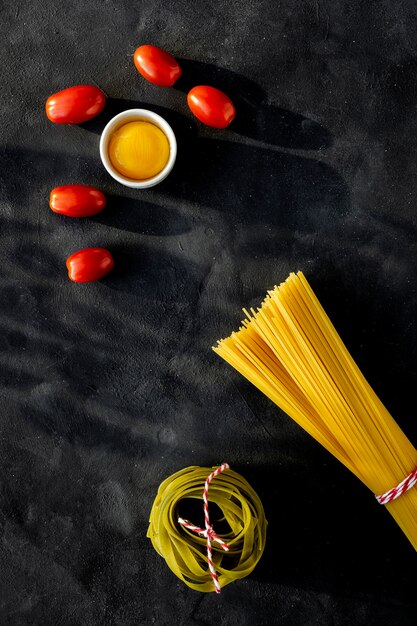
89,264
157,66
75,105
211,106
77,200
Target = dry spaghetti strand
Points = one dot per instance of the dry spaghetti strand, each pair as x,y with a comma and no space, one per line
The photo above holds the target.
291,351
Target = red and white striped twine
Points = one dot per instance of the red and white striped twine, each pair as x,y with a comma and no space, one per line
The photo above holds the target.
398,491
208,531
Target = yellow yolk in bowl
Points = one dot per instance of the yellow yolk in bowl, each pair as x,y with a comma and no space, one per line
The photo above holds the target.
138,150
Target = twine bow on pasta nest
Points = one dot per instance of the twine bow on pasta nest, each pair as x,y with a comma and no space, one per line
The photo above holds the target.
203,558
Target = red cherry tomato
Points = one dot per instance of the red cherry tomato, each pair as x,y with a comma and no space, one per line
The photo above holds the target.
89,264
75,104
211,106
157,66
77,200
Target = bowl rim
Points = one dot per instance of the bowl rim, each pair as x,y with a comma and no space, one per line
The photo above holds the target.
137,114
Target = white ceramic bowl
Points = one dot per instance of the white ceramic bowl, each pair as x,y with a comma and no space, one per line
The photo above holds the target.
134,115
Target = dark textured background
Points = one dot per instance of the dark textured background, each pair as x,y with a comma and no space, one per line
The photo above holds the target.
108,388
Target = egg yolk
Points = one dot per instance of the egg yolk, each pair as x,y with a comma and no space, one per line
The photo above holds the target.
139,150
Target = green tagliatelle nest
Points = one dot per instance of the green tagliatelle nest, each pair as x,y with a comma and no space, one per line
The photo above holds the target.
184,551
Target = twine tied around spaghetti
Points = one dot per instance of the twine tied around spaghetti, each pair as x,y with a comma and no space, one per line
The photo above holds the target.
208,531
394,493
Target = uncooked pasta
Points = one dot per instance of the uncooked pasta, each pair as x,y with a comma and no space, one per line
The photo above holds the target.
241,516
291,351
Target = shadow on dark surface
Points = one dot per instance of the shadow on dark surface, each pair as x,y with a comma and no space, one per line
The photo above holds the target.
229,175
137,216
155,276
260,185
325,531
255,118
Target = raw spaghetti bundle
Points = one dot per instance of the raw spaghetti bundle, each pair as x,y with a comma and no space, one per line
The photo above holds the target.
291,351
201,558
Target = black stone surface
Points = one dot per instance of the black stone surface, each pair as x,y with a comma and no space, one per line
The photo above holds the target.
108,388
